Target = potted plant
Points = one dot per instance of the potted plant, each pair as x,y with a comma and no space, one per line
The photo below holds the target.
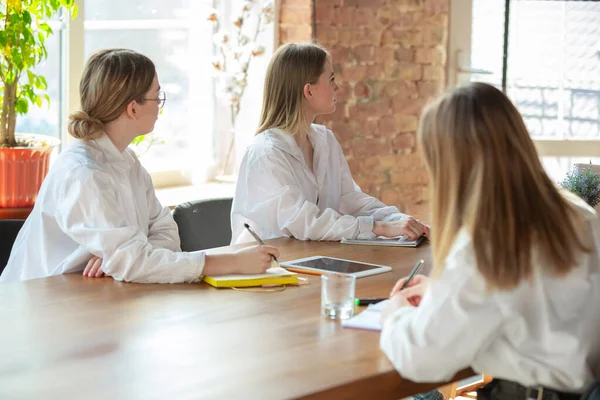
584,182
24,158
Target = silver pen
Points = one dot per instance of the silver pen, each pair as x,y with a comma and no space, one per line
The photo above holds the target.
258,239
416,269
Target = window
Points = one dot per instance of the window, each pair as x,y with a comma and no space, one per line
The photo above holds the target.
552,70
178,38
47,119
179,46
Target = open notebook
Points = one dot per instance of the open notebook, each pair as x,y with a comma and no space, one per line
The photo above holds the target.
368,319
274,276
399,241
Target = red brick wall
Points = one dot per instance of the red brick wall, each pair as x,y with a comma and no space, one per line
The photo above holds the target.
390,59
295,21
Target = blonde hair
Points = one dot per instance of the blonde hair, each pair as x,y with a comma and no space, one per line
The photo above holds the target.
293,65
486,177
112,79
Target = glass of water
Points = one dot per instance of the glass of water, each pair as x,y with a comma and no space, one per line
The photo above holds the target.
337,295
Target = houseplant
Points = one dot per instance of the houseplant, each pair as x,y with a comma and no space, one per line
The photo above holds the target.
234,55
23,157
584,182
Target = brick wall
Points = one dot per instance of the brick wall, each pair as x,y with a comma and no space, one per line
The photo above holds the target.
295,20
389,58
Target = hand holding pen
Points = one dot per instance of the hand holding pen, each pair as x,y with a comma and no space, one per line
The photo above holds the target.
411,280
407,291
412,287
258,240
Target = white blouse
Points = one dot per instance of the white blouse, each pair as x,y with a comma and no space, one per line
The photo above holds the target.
278,195
97,201
546,332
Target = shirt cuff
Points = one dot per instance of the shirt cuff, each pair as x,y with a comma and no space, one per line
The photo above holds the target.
365,228
195,272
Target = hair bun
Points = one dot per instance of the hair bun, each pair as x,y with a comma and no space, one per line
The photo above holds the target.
85,127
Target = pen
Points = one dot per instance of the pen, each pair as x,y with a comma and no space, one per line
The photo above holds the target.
258,239
366,302
416,269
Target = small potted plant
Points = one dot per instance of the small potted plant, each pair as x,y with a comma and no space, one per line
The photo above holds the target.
24,158
584,182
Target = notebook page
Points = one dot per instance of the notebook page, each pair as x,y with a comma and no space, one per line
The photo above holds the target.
368,319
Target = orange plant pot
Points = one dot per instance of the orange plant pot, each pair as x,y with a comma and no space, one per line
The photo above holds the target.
23,169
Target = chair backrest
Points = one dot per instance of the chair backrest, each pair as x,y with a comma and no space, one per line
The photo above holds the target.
9,228
593,392
204,224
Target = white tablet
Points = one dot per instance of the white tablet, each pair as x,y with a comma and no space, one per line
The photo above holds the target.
322,264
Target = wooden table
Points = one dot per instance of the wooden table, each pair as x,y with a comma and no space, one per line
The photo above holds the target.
73,337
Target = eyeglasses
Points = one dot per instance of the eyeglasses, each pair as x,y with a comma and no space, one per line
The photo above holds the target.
161,99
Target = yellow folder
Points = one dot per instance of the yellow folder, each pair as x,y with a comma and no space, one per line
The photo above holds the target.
273,276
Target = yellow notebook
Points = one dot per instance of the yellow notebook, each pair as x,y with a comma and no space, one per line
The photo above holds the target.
274,276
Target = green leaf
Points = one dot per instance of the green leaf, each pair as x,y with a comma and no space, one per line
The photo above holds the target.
137,140
22,106
27,17
45,27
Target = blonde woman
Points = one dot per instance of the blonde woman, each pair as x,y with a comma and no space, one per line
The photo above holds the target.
96,210
516,274
294,180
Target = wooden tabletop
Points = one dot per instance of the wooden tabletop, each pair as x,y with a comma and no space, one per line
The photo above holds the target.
74,337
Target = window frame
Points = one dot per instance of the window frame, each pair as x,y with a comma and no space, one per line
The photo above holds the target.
459,71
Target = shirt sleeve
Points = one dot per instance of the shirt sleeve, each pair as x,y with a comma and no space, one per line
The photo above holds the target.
270,197
454,321
91,215
162,228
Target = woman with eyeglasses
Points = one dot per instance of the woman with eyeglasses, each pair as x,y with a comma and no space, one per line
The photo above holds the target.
96,210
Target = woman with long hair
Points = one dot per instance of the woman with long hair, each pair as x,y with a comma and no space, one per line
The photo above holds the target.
294,180
516,279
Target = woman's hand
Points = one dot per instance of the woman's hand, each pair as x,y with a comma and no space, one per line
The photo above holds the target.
415,290
409,227
251,260
92,269
411,296
255,259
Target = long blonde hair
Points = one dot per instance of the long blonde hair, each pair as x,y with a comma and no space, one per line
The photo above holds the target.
111,79
486,177
293,65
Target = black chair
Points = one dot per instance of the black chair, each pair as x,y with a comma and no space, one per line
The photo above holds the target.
204,224
593,392
9,228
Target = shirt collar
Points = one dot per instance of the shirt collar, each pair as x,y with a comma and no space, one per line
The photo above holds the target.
113,156
285,141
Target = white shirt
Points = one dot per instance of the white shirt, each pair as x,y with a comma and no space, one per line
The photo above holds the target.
98,201
278,195
542,333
